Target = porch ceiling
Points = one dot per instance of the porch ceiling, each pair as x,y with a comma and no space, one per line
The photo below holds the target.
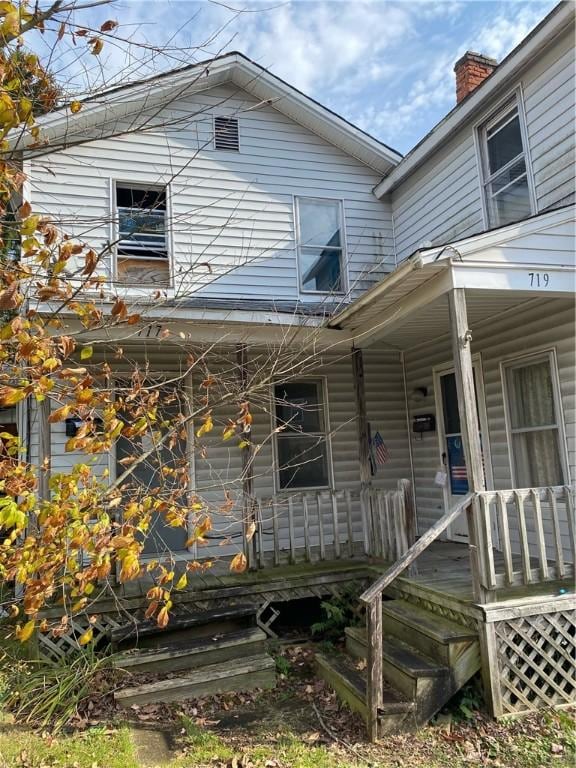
432,321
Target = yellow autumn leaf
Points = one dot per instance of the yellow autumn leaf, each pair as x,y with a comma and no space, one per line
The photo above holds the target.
59,414
86,353
29,225
7,7
182,582
238,563
26,631
75,107
206,427
11,396
11,24
86,637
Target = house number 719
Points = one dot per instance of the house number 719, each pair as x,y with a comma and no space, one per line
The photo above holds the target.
539,279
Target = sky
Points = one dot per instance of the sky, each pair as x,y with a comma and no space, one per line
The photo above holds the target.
385,66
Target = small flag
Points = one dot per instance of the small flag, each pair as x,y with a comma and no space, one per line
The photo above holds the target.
380,450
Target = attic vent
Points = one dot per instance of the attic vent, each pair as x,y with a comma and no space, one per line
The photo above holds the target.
226,135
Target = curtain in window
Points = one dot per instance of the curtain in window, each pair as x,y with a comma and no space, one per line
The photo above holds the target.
534,431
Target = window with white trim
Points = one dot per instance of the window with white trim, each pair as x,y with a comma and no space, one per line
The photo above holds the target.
320,237
142,234
505,168
302,450
536,436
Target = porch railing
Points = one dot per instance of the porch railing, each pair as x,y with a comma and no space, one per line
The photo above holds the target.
331,525
536,533
372,600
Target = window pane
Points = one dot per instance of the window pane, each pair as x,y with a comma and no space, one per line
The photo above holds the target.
299,406
302,461
515,171
531,395
537,458
513,204
319,223
148,475
504,144
450,404
320,270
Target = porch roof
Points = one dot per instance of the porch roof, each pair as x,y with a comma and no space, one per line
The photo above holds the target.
500,269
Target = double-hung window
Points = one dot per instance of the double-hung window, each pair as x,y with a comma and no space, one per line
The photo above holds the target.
301,436
142,237
320,235
536,435
505,168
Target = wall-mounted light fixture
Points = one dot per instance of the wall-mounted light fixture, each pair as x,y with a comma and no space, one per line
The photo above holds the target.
419,394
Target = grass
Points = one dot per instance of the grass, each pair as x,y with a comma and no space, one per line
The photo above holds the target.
99,747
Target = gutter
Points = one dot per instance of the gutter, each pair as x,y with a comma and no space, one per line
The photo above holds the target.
411,264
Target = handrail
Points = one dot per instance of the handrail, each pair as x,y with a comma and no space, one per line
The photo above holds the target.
372,599
376,589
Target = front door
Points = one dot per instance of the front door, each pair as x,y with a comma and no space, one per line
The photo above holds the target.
451,445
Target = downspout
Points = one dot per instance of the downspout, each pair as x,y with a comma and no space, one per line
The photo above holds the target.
410,455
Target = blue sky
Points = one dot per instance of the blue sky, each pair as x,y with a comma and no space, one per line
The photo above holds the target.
386,66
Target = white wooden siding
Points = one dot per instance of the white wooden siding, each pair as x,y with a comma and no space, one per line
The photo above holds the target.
546,324
232,212
441,201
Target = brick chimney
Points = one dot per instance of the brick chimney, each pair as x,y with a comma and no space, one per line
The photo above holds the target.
471,70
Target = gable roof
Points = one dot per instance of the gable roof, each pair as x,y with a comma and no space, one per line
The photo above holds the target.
235,68
554,24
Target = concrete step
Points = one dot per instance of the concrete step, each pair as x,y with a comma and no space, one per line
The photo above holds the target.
397,712
435,636
244,674
196,653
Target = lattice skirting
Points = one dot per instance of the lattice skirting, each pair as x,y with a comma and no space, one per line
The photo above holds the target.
536,658
55,648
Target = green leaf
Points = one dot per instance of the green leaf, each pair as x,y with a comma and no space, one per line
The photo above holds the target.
86,353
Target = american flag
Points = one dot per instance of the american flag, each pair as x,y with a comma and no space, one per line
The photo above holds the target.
381,452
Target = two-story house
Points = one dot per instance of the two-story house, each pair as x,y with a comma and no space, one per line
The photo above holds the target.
411,324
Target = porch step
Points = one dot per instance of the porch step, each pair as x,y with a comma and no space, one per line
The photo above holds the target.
234,675
202,623
435,636
406,668
195,653
396,714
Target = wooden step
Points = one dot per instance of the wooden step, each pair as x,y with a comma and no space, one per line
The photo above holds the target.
201,623
435,636
235,675
397,713
194,653
403,666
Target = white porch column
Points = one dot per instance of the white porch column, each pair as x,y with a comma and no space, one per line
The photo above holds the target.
464,372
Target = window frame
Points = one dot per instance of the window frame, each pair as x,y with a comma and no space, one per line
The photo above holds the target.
115,232
511,101
322,381
522,361
343,248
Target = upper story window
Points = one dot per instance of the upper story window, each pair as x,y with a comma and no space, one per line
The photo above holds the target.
226,134
320,237
505,170
142,239
535,424
301,439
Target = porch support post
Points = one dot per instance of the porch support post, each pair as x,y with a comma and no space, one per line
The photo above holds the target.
248,501
469,425
44,448
363,445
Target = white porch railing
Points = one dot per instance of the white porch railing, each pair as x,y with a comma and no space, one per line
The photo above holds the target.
332,525
536,532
